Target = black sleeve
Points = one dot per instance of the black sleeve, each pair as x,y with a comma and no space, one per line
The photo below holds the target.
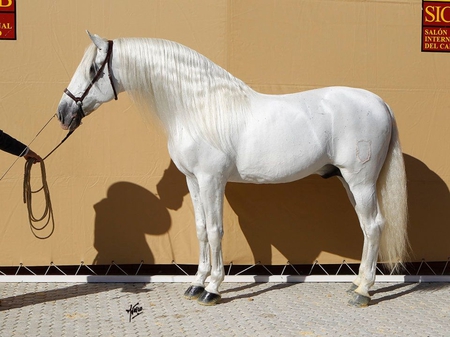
11,145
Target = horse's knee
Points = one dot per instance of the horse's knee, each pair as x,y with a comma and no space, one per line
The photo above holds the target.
202,234
215,235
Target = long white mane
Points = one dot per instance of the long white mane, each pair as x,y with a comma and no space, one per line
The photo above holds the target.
184,88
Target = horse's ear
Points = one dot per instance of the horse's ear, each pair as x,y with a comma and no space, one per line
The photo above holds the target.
101,43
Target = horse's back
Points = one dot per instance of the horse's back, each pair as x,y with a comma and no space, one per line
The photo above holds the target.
295,135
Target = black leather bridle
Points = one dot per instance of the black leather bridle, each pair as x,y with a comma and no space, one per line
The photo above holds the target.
79,100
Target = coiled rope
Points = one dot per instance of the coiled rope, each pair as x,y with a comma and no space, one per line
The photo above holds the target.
27,198
28,192
27,195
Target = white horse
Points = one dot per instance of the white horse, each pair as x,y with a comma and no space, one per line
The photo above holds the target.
221,130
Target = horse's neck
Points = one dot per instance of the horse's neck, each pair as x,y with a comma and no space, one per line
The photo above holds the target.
183,96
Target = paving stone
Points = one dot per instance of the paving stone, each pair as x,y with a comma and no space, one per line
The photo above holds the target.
256,309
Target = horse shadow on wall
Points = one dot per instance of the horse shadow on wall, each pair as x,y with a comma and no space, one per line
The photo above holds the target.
123,219
303,218
429,212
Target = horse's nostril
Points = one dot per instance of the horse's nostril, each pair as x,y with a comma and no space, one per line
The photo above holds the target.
60,116
61,112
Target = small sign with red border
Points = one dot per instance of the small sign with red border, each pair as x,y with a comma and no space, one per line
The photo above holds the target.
436,26
7,19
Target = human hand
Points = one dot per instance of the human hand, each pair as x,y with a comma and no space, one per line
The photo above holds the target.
32,155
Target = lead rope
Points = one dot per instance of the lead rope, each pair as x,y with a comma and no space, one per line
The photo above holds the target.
28,192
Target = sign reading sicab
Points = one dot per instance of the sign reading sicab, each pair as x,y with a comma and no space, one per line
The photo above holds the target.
436,26
7,19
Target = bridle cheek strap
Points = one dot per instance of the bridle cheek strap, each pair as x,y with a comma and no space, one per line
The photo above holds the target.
79,100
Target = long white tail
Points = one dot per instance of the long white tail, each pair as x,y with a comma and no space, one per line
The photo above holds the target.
392,196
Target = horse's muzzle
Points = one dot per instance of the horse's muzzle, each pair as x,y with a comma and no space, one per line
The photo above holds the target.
70,119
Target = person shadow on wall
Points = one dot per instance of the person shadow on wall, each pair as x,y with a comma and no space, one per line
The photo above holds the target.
122,220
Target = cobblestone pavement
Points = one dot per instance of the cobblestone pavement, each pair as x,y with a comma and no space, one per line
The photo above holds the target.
246,309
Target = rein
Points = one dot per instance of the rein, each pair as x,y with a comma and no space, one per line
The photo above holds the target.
64,139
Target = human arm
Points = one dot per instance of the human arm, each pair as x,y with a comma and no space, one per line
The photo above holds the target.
15,147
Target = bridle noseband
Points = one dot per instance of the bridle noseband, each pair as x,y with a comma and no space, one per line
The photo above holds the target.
99,73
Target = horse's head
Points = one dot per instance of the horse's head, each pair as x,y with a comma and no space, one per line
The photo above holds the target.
92,84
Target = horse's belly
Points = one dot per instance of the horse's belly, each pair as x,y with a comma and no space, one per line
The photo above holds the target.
278,152
265,175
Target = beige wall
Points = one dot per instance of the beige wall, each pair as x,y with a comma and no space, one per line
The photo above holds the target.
116,195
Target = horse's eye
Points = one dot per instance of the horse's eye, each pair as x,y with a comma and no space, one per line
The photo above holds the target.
92,70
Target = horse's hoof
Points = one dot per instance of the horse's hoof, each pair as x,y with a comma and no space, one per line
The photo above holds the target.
352,289
208,298
359,301
193,292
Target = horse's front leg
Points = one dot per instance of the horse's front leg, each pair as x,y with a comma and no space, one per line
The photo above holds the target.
211,191
204,266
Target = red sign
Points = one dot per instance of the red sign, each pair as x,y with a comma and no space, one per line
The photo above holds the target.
436,26
7,19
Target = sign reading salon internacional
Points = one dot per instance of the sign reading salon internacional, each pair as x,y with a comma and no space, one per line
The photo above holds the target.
436,26
7,19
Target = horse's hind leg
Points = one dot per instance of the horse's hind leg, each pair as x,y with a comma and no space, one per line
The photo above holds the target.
372,223
356,282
